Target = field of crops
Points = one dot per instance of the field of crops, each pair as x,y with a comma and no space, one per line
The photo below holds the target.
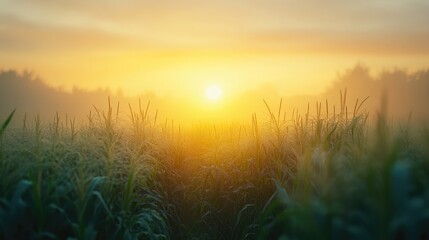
313,175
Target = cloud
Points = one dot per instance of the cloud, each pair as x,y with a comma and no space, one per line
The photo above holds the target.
351,26
136,44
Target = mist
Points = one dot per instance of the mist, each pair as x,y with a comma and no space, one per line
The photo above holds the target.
406,94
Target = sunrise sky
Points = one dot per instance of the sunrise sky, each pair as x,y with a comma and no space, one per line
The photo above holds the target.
179,47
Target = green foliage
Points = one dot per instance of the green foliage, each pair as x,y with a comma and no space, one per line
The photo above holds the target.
328,175
2,130
367,191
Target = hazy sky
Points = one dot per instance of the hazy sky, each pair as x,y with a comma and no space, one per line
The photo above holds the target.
178,47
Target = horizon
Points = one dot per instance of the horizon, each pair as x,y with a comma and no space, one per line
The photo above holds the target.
30,94
178,49
235,120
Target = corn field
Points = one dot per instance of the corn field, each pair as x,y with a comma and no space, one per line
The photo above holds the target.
328,173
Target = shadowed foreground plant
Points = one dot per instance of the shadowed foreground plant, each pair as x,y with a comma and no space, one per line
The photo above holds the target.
2,130
309,176
373,194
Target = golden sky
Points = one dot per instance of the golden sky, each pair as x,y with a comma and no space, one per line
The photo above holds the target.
179,47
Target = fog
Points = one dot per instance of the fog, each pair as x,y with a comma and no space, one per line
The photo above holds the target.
407,94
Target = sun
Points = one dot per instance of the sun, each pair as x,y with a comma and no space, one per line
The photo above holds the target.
213,92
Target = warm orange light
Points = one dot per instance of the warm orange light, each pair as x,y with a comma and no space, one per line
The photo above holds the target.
213,92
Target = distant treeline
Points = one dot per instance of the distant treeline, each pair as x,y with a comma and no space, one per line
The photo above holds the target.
405,93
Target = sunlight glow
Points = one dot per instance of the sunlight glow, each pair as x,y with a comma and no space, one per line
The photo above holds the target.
213,92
